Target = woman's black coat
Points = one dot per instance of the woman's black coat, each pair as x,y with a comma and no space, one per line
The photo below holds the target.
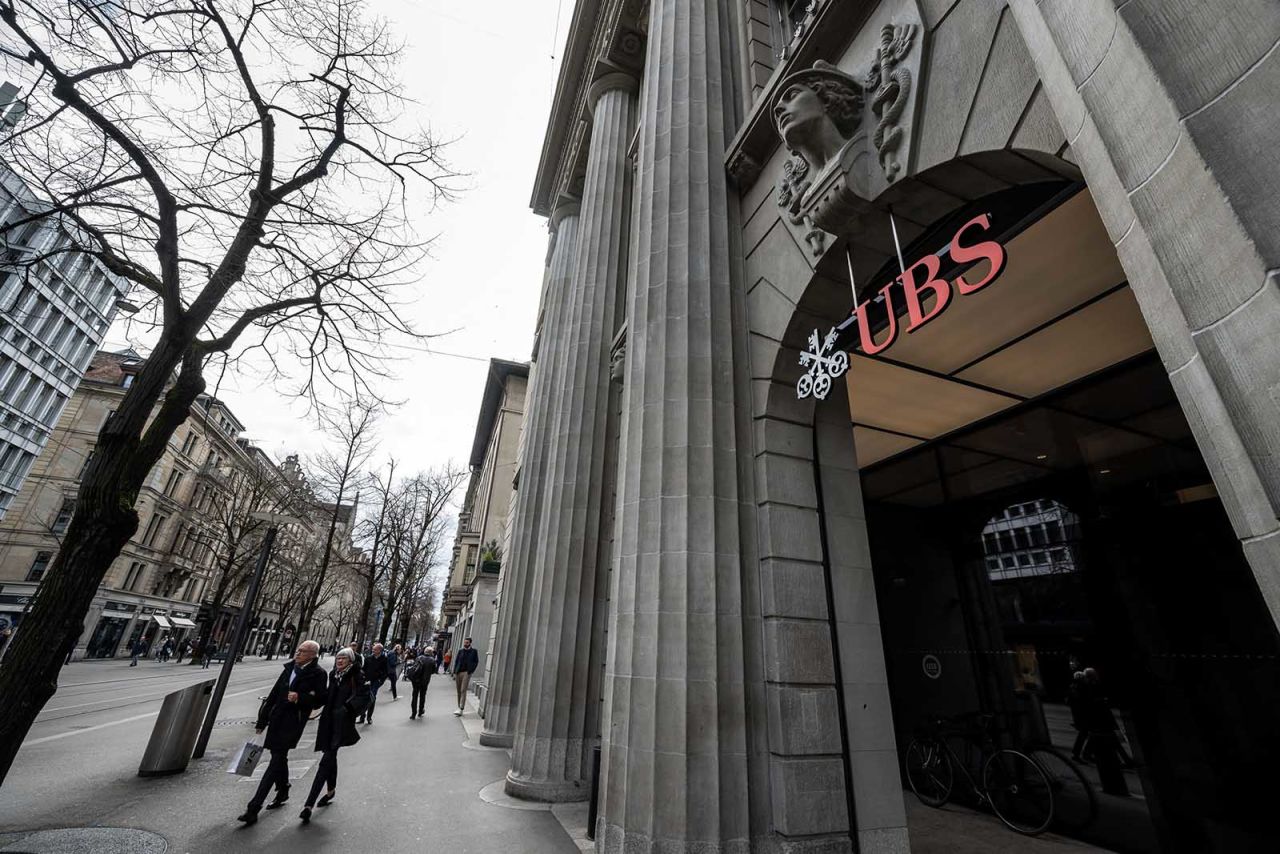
348,696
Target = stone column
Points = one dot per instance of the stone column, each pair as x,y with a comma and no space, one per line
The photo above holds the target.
556,723
675,766
526,522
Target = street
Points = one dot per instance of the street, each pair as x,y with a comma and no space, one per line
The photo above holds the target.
407,786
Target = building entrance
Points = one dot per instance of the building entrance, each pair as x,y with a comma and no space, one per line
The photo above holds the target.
1050,553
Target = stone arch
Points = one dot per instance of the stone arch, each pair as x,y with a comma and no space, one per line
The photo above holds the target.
818,601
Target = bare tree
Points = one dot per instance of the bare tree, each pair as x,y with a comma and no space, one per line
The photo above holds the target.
240,164
232,506
421,515
336,472
374,531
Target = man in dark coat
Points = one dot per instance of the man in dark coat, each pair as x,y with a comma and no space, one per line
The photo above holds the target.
301,687
464,664
376,668
419,673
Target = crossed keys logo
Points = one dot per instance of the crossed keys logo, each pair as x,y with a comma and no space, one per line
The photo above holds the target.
823,364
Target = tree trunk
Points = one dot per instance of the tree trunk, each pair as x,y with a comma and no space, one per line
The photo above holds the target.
104,520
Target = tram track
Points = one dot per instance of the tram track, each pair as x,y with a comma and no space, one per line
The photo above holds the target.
109,703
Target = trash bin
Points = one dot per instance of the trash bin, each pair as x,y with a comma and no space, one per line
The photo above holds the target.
174,734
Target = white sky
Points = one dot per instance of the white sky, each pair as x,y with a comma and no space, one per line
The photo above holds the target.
482,72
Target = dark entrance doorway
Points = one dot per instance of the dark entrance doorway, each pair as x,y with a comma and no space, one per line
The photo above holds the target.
1066,566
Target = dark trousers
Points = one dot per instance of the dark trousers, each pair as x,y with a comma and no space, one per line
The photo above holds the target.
393,678
419,698
367,714
326,775
277,774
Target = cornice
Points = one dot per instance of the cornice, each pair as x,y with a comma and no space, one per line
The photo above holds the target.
605,37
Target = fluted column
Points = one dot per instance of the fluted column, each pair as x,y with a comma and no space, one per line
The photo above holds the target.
675,764
526,522
556,724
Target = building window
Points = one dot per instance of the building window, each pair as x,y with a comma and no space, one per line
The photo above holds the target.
189,444
787,17
175,480
38,567
84,467
153,530
63,519
134,575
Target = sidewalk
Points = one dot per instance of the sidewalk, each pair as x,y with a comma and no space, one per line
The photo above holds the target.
408,786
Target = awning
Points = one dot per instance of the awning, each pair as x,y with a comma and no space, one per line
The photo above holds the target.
182,622
163,621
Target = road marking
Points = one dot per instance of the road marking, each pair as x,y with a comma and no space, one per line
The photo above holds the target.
96,727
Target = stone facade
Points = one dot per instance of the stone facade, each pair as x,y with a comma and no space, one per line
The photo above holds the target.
165,580
474,582
740,589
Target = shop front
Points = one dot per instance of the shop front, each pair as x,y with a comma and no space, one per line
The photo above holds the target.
110,631
1053,566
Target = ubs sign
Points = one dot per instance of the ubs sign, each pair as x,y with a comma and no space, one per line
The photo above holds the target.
918,283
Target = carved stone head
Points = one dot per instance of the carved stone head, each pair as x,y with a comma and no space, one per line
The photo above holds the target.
817,112
618,364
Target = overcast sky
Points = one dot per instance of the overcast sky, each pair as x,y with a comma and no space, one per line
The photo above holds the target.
481,72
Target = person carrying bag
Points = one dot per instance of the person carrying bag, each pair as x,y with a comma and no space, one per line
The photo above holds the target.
299,689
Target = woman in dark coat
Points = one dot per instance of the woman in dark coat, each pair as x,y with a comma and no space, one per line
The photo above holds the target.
348,696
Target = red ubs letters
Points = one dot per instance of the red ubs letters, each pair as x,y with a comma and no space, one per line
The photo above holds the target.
920,280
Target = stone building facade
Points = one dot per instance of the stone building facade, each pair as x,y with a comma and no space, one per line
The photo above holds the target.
832,286
472,598
165,582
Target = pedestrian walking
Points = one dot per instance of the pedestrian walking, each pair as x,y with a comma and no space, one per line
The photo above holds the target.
182,650
301,687
393,669
348,695
464,665
448,659
375,669
138,651
419,673
210,650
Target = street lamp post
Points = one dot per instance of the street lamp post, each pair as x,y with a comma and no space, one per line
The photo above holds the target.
242,629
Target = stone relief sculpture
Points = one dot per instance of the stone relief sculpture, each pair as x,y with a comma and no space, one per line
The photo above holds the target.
618,364
818,113
891,82
824,116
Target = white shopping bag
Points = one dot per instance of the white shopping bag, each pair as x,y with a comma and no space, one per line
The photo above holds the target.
246,759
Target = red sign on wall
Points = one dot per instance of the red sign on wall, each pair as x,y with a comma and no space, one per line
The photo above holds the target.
921,279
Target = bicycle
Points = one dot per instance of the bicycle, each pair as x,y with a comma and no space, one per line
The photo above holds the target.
1075,804
1015,786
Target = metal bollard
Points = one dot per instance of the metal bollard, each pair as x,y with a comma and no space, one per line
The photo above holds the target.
174,734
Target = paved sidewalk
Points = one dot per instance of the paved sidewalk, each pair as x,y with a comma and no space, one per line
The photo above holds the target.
408,786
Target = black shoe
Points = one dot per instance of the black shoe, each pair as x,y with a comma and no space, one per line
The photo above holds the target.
360,719
250,816
411,717
305,815
326,799
281,799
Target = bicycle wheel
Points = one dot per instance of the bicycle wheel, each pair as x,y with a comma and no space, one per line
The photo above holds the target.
1075,804
1019,790
929,771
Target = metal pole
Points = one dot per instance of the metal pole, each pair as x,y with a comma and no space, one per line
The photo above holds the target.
242,629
